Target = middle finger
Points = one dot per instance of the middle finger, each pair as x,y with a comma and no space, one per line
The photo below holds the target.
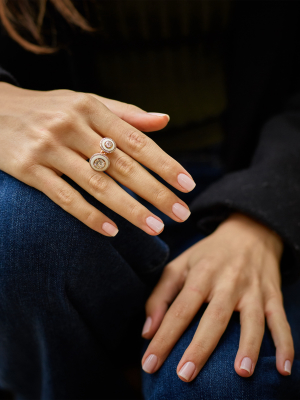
131,174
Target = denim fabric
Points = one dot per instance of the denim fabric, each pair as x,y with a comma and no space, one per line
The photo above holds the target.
218,379
67,296
71,300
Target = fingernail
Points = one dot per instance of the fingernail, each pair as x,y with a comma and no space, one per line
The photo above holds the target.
288,366
147,325
159,114
150,363
180,211
246,364
187,370
186,182
110,229
154,224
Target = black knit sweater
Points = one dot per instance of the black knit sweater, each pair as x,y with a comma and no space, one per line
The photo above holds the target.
262,124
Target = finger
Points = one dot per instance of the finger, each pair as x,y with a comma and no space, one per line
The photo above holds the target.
252,321
131,174
65,196
138,146
211,327
106,190
281,333
165,291
135,116
177,319
167,288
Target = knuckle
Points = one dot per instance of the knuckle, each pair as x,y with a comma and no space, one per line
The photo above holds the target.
131,108
136,213
65,197
124,165
161,195
59,121
202,267
81,101
136,140
166,166
44,141
92,220
98,183
174,276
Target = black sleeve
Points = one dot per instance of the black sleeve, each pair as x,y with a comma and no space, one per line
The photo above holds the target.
7,77
268,191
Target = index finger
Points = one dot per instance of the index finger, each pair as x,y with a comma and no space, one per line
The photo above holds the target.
140,147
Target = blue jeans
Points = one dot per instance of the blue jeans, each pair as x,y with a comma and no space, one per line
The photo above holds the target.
68,297
218,379
71,302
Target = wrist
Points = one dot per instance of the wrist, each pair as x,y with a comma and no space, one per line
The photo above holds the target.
251,231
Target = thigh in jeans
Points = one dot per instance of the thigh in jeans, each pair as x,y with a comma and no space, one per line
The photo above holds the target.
218,379
67,295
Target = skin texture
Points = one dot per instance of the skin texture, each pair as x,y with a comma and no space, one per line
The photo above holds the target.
234,269
47,134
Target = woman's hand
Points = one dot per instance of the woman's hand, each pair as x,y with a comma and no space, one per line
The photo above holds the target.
46,134
235,268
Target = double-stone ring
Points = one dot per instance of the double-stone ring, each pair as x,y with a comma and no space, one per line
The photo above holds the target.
100,161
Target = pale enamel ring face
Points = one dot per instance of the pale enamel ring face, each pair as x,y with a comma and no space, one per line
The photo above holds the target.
108,145
99,161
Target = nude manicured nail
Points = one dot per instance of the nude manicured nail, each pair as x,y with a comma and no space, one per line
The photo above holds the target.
180,211
186,182
147,325
246,364
187,370
288,366
110,229
150,363
159,114
154,224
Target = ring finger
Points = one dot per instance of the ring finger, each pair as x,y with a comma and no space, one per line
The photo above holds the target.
106,190
131,174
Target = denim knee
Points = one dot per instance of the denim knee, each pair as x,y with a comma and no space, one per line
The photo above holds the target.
218,379
48,256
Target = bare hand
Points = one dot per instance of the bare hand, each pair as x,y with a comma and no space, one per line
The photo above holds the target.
234,269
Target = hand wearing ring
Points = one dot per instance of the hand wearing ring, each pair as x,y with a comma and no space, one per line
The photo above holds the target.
64,131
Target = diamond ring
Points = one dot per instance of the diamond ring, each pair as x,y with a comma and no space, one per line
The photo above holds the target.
100,161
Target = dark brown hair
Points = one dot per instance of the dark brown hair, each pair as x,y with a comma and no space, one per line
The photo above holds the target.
27,16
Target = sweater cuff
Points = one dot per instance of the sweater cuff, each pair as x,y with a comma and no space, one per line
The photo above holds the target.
7,77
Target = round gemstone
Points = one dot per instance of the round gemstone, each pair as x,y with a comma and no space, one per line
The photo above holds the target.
99,163
108,144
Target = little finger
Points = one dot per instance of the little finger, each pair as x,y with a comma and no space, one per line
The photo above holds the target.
281,334
252,321
69,199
